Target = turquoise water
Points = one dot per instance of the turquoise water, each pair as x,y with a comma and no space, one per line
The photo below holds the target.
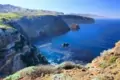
85,44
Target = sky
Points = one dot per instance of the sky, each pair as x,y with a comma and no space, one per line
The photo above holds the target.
108,8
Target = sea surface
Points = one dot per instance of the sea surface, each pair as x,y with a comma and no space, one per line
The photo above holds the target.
85,44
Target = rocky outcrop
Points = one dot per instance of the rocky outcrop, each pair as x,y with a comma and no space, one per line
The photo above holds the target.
6,38
74,27
104,67
16,52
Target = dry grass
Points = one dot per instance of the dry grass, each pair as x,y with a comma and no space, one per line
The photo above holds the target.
42,70
103,77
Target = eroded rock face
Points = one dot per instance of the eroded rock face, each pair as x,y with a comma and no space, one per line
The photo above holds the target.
45,27
16,52
42,28
6,38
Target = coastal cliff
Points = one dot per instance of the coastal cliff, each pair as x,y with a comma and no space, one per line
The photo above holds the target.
40,28
16,52
45,27
104,67
40,25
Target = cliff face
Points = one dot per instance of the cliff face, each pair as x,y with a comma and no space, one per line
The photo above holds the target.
68,18
45,27
42,28
40,25
104,67
16,52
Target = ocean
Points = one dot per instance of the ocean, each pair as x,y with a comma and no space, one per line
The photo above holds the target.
85,44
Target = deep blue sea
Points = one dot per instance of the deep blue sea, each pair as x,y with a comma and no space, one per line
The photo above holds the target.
85,44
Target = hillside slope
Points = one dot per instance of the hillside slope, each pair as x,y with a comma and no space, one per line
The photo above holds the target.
104,67
7,8
16,52
68,18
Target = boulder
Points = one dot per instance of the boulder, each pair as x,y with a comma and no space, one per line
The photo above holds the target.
75,27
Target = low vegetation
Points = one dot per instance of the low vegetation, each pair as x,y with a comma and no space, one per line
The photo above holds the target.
9,16
33,72
5,17
69,65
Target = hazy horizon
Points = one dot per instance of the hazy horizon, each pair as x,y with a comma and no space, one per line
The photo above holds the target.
105,8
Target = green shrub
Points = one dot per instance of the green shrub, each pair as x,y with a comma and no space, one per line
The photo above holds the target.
67,65
21,73
5,17
8,16
112,59
103,64
15,76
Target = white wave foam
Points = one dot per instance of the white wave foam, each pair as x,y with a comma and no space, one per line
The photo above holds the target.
45,45
67,54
